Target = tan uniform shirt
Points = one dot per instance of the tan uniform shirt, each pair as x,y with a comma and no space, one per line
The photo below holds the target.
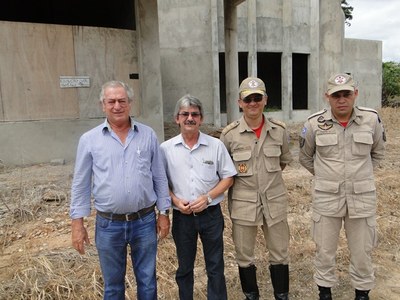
342,160
259,189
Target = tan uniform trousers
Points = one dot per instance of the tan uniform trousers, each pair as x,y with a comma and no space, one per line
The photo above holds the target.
361,238
276,238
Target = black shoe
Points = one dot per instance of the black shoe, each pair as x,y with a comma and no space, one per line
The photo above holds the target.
324,293
252,296
361,295
281,296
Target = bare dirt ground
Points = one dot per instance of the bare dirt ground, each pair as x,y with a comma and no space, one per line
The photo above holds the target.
38,262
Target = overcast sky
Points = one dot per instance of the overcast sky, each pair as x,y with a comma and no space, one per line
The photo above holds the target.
377,20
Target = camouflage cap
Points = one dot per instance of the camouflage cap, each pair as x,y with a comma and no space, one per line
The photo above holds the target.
340,82
251,85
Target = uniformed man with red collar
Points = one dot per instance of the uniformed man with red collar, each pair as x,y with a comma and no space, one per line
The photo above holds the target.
260,151
341,146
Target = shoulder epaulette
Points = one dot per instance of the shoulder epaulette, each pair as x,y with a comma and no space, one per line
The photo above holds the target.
277,122
317,114
367,109
230,127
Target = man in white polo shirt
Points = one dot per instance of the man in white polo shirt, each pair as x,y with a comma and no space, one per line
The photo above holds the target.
199,171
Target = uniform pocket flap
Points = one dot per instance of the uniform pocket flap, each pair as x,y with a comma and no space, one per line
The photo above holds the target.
245,195
272,151
364,186
326,139
363,138
327,186
243,155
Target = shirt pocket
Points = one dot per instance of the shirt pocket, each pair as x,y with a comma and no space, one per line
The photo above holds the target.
207,171
327,144
242,161
144,163
362,143
272,158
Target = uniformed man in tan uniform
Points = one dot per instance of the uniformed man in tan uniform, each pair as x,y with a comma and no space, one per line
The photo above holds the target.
260,151
340,146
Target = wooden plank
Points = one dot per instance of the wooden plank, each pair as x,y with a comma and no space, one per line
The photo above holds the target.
32,57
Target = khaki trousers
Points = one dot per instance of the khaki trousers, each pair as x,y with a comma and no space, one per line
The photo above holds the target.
276,238
361,238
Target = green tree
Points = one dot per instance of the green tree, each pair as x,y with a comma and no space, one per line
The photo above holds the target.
348,11
390,83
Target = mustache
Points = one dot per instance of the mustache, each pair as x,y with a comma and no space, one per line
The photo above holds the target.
190,122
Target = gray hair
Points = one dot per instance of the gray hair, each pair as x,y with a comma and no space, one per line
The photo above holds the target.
116,83
187,101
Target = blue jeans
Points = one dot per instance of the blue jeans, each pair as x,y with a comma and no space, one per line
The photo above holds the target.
185,230
112,239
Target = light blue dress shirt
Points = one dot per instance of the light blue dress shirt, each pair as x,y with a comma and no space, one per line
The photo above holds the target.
194,172
123,178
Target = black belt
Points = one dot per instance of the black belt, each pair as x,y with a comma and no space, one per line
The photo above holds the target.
126,217
208,209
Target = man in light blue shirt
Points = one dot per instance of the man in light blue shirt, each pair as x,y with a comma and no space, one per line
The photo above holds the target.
119,162
199,170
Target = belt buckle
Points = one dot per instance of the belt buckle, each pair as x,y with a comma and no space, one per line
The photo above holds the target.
127,217
194,214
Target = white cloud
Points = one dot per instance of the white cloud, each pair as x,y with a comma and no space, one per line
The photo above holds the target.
377,20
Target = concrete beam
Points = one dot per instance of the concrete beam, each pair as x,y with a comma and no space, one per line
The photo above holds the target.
237,2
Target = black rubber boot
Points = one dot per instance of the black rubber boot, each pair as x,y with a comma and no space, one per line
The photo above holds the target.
248,280
280,281
362,295
325,293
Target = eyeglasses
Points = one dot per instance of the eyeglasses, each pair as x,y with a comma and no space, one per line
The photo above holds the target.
256,98
186,114
112,102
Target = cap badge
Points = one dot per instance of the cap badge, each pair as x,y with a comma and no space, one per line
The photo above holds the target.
340,79
253,84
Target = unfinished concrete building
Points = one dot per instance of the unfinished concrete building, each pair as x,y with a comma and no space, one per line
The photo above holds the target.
54,56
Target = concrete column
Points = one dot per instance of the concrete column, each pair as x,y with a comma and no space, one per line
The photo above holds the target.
314,91
331,40
215,64
287,59
252,37
231,61
149,65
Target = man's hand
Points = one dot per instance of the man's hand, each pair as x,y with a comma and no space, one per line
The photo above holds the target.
79,235
163,226
182,205
199,204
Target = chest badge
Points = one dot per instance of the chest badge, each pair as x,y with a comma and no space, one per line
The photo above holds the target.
325,126
242,168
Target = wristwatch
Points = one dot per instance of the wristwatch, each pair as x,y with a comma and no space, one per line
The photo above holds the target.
209,199
164,212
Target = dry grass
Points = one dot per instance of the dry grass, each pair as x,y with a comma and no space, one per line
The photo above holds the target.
38,262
